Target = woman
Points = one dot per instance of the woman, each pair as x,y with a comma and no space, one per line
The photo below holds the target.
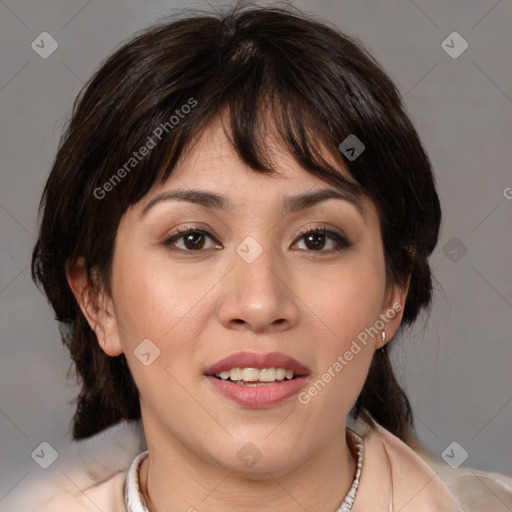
236,226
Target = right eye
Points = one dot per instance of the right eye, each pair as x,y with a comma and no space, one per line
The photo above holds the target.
193,239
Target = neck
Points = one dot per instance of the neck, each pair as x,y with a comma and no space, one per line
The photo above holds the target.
171,482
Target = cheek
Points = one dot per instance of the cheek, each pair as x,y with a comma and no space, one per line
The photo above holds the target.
159,310
343,361
348,298
348,302
156,301
153,298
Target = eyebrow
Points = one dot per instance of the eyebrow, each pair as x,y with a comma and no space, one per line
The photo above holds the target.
291,204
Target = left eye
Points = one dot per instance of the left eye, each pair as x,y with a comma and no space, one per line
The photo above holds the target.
315,239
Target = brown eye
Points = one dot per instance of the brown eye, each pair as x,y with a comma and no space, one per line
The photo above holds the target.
193,240
316,239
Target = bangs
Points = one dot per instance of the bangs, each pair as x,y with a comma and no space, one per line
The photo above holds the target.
259,99
261,120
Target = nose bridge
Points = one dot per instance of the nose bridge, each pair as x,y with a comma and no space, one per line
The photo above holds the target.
257,295
256,263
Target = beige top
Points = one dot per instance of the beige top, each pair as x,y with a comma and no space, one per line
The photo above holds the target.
91,476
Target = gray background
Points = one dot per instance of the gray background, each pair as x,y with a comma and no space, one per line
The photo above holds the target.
456,370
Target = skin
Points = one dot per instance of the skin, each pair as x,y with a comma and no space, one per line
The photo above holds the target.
201,306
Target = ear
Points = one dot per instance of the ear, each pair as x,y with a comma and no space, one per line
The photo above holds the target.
392,310
96,305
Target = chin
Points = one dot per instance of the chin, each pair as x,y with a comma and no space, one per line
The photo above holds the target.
256,459
263,469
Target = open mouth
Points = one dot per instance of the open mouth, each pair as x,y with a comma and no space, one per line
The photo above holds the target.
258,388
258,380
256,376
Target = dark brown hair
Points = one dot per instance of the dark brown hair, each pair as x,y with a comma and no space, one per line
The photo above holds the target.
263,66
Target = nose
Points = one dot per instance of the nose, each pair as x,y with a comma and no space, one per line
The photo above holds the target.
258,295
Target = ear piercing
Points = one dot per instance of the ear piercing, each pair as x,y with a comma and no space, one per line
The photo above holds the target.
383,333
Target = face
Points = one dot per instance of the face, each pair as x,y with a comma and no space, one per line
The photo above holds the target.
194,283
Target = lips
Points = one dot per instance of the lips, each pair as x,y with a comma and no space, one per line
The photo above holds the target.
260,361
260,394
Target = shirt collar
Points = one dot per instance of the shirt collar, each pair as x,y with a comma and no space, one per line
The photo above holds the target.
133,499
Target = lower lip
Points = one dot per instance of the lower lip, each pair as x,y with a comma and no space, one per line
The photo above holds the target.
257,397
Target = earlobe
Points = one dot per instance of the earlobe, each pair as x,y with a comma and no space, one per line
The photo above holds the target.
96,306
106,327
392,311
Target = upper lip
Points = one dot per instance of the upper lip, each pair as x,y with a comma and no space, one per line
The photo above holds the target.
255,360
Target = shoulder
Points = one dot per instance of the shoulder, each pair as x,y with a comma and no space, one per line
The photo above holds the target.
106,496
421,482
88,475
476,489
397,476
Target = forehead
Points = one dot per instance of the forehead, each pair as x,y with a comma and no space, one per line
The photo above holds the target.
211,174
211,157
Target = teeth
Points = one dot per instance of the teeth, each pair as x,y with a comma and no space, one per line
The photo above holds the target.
280,373
250,374
234,374
267,374
256,374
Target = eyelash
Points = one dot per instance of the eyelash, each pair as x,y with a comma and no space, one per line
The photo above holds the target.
341,240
